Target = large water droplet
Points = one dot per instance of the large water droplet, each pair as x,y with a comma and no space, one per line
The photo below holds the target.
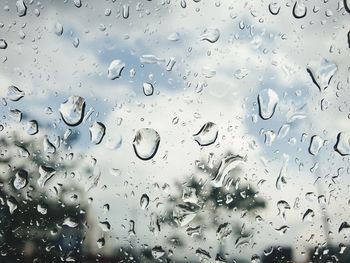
32,127
147,89
207,134
58,29
3,44
185,213
14,93
267,100
274,8
21,8
72,110
316,143
227,164
322,72
344,226
115,69
20,180
144,201
97,131
299,10
210,34
146,143
45,174
342,145
347,5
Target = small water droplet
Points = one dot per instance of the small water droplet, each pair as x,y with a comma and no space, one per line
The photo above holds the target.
146,143
58,29
299,10
274,8
77,3
32,127
126,11
3,44
308,215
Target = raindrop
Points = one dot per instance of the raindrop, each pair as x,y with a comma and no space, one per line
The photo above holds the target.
347,5
144,201
147,89
207,134
342,145
77,3
274,8
12,204
299,10
42,209
157,252
193,231
189,195
105,226
208,72
308,215
48,146
45,174
32,127
154,226
210,34
322,72
344,226
223,231
115,69
170,64
101,242
267,100
76,42
72,110
70,222
255,259
58,29
203,254
151,59
3,44
227,164
146,143
20,180
185,213
21,8
16,115
316,143
174,36
125,11
14,93
97,131
281,180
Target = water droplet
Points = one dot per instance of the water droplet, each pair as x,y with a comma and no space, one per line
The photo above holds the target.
14,93
144,201
344,227
185,213
131,230
32,127
72,110
189,195
154,226
21,8
347,5
210,34
281,180
299,10
183,3
45,174
223,231
322,72
70,222
227,164
151,59
97,132
77,3
16,115
255,259
42,209
3,44
147,89
105,226
48,146
203,255
274,8
170,64
20,180
157,252
342,145
241,73
174,36
58,29
316,143
207,134
208,72
146,143
308,215
267,100
22,152
115,69
101,242
126,11
12,204
76,42
193,231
